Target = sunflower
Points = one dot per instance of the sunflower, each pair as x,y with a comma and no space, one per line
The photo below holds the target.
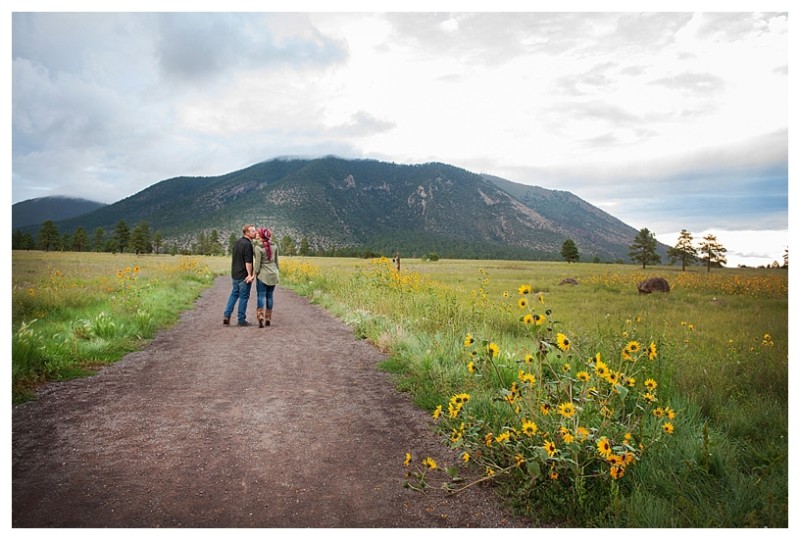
471,367
437,412
519,460
465,457
503,437
567,410
429,463
633,347
668,427
582,433
550,448
566,436
601,369
617,471
469,340
493,349
528,319
650,384
528,358
545,408
407,460
583,376
538,320
526,378
524,289
522,303
651,351
529,428
604,447
563,342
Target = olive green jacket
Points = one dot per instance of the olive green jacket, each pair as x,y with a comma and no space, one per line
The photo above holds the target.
265,270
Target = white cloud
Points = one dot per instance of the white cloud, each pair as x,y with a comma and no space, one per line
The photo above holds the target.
635,111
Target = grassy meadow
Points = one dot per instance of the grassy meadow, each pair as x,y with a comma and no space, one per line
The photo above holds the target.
73,312
585,405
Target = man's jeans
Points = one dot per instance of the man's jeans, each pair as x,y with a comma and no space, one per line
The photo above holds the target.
241,292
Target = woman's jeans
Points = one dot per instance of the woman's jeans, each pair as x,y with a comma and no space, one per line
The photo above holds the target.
239,291
264,294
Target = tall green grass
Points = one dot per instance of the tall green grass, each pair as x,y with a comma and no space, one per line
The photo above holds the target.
72,312
722,362
722,365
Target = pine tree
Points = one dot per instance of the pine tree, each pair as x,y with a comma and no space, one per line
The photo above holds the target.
140,240
80,241
683,251
305,248
122,236
99,240
157,242
288,245
569,251
48,236
713,252
643,249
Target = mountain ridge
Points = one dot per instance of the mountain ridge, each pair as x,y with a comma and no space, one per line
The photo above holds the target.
367,205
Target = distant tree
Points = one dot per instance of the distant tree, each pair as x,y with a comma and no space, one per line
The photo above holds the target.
80,240
288,246
48,236
305,248
786,258
27,242
569,251
122,236
140,240
643,249
713,253
16,239
201,247
65,242
157,242
231,241
683,251
99,240
214,245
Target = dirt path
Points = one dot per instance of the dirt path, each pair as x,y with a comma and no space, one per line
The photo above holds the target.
221,426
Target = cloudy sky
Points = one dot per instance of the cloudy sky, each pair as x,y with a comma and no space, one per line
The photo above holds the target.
667,120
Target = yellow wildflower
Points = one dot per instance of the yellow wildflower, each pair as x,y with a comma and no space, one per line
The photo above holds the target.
562,341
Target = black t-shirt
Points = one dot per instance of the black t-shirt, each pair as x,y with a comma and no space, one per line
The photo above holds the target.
242,254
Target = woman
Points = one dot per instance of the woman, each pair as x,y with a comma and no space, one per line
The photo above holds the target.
265,268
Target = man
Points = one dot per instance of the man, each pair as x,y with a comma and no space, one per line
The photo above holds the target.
242,275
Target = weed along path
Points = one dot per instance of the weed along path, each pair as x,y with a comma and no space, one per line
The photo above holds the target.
291,425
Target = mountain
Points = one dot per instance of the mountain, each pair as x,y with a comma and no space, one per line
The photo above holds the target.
37,211
343,205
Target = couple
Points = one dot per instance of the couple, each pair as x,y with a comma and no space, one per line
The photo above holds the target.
255,258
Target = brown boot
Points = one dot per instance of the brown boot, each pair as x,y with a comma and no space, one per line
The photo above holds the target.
267,316
260,317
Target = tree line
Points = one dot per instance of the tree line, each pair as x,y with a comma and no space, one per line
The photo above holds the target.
710,252
139,240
